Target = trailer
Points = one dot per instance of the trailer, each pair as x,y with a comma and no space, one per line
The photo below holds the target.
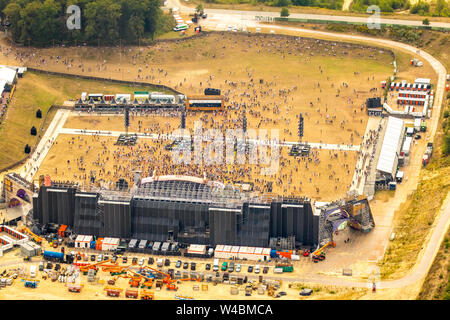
406,146
54,256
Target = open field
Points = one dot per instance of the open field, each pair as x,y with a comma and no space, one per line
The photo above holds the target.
413,221
325,179
37,91
436,285
279,78
298,76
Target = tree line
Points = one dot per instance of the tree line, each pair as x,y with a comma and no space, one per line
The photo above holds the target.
105,22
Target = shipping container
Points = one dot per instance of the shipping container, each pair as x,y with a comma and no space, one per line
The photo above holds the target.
199,249
99,244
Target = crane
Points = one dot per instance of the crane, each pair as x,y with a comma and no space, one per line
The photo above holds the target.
167,280
27,230
319,252
87,267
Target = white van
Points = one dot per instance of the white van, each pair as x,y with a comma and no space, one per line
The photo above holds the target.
216,265
32,271
180,27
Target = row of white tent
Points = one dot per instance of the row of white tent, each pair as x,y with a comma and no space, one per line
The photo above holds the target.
84,241
237,252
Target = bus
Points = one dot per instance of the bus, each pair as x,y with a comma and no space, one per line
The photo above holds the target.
205,103
181,27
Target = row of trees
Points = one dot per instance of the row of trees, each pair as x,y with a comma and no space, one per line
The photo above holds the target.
330,4
43,22
384,5
441,8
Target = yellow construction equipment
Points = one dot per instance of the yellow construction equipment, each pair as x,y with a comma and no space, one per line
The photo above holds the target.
320,250
25,229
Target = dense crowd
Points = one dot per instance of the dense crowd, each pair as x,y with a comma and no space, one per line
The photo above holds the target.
266,103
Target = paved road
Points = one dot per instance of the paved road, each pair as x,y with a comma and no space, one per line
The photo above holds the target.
45,144
250,15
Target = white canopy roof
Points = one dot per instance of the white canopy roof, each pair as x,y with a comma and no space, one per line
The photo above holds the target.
388,159
7,74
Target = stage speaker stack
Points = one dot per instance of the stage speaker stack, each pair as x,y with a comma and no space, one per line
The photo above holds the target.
33,131
27,149
39,114
212,92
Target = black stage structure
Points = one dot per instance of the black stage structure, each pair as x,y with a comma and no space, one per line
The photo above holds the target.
188,210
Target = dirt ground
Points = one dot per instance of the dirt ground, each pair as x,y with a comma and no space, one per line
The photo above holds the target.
48,290
327,81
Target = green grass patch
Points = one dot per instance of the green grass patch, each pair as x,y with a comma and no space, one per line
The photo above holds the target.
39,91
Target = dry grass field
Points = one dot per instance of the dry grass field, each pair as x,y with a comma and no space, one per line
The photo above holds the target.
37,91
327,88
273,79
325,179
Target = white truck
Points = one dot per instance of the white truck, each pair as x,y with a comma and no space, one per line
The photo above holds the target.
216,265
33,271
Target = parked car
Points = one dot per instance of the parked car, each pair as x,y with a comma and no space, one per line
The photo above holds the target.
178,264
224,266
257,269
106,257
124,259
134,261
208,267
141,261
231,267
93,257
266,270
41,266
100,258
193,264
185,265
167,262
150,260
250,269
238,267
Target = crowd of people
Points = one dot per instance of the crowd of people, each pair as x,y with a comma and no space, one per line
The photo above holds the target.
333,112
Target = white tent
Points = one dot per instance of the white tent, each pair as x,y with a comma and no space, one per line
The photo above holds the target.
390,149
7,74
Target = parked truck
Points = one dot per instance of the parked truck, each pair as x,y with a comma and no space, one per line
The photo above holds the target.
54,256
